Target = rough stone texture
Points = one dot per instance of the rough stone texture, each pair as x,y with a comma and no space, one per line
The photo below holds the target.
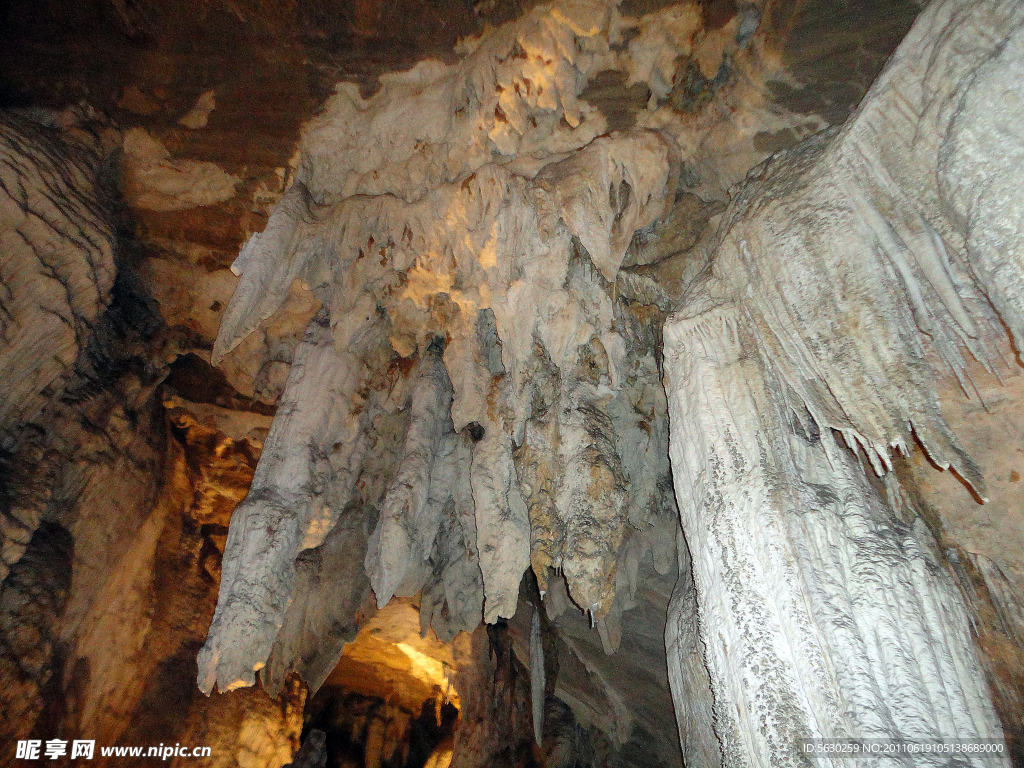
313,444
620,705
154,182
32,603
688,674
58,261
97,619
312,753
497,725
502,321
456,241
979,541
814,597
858,236
130,619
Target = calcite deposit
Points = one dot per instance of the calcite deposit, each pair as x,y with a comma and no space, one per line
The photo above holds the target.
848,277
484,243
497,273
58,266
624,383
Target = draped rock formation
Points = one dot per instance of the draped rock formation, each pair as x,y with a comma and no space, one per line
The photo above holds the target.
487,324
482,244
850,274
55,281
603,363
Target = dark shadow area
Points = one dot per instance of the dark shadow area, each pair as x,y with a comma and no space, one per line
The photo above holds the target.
356,725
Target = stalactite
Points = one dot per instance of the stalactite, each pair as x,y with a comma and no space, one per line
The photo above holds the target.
502,523
314,629
537,684
481,265
593,499
310,448
498,220
408,520
509,412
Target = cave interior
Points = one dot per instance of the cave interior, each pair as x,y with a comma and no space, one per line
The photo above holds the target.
588,383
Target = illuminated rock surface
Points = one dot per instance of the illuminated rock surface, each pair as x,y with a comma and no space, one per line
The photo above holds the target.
483,409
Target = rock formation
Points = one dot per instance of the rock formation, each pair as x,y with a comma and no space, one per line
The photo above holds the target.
599,363
498,273
816,590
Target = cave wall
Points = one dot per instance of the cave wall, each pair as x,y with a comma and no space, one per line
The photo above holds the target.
854,228
110,584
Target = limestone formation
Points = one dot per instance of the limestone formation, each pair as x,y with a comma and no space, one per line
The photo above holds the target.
56,275
501,282
540,397
58,257
156,182
845,278
486,239
503,257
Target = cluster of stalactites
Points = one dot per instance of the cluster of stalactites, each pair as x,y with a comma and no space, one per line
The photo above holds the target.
474,328
532,416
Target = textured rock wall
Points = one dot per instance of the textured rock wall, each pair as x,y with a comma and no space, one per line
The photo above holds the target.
497,727
31,605
819,607
847,279
58,263
56,274
981,542
110,574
